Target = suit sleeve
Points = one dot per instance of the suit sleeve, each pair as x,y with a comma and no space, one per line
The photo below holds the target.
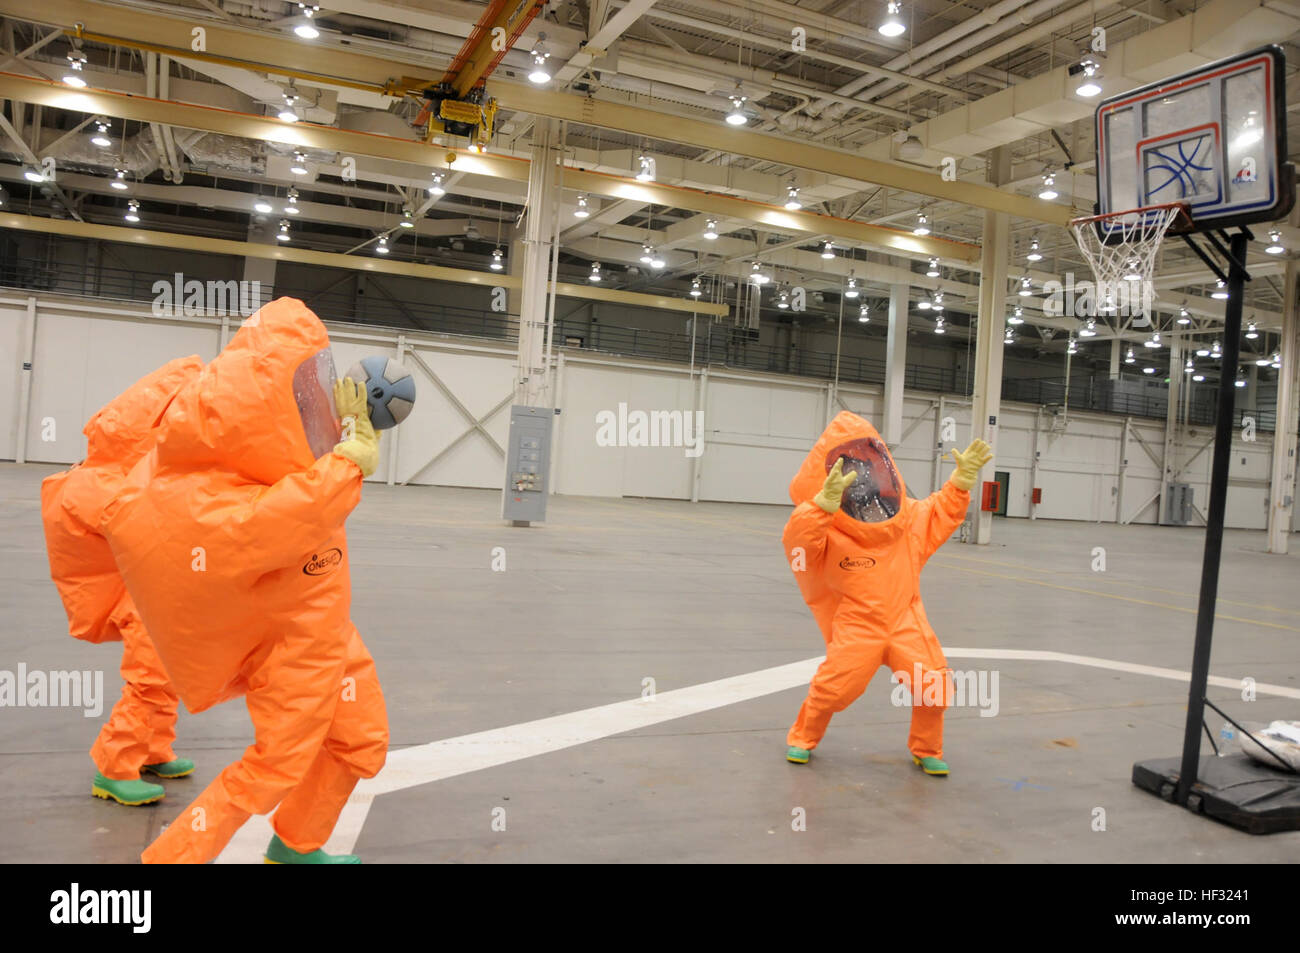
288,518
934,518
806,529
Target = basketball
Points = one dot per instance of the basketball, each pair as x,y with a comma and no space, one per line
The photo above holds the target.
390,389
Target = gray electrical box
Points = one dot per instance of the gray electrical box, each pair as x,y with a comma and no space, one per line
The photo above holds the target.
1178,504
528,463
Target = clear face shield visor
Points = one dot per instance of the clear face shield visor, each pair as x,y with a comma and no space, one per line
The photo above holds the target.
313,390
877,493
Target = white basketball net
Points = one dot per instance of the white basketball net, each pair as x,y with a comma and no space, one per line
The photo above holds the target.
1124,261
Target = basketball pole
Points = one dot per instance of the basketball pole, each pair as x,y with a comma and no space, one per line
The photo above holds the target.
1214,518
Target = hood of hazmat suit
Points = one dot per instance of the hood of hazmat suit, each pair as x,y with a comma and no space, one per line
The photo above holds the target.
230,533
72,502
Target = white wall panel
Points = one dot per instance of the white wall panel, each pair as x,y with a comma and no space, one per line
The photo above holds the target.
12,345
758,428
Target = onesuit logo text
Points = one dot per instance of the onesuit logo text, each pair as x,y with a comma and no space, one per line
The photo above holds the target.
857,562
24,689
321,563
77,906
656,428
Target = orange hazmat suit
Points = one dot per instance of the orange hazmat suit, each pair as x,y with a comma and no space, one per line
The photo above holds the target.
859,568
142,726
230,538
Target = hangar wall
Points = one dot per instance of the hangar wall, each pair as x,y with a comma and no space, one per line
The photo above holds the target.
757,426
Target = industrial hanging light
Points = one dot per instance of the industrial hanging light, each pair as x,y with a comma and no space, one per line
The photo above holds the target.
922,225
1048,191
1009,336
864,313
851,287
1026,287
1183,316
581,211
1202,351
497,264
1034,254
299,166
1214,351
595,272
1089,329
711,229
1189,366
645,168
539,74
291,202
792,203
1133,270
289,111
936,304
828,251
893,25
132,211
100,138
1153,341
436,188
76,63
1251,333
408,216
117,182
1239,382
1149,369
382,247
33,174
923,304
756,274
647,254
696,289
1220,290
1129,358
933,270
262,206
283,235
737,116
656,262
1090,77
783,299
1275,246
938,325
304,28
1072,348
1017,316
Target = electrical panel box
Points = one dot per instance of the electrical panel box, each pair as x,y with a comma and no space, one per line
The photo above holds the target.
528,463
991,496
1178,504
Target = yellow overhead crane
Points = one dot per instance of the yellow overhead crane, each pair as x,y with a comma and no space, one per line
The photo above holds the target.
459,104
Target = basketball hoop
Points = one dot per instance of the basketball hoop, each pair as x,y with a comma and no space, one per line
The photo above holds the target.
1120,248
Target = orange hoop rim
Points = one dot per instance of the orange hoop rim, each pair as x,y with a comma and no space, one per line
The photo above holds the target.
1181,223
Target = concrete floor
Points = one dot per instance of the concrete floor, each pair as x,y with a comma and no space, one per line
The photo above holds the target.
607,593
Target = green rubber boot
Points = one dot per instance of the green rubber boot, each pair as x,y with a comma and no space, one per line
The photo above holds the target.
797,755
931,765
176,768
277,852
131,792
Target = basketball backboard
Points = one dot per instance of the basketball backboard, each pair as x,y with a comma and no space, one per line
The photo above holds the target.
1213,138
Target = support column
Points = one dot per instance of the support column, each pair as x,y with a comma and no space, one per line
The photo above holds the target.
1169,456
262,270
1282,480
1114,359
532,377
986,401
891,418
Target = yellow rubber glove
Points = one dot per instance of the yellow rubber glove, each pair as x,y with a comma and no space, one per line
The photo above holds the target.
360,443
969,463
833,489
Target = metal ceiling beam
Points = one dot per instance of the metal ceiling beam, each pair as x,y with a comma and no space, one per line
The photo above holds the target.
222,246
328,139
318,62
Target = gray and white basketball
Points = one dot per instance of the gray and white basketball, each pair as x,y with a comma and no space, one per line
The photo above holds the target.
390,389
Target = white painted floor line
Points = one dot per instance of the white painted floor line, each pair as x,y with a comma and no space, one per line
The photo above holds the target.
438,760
